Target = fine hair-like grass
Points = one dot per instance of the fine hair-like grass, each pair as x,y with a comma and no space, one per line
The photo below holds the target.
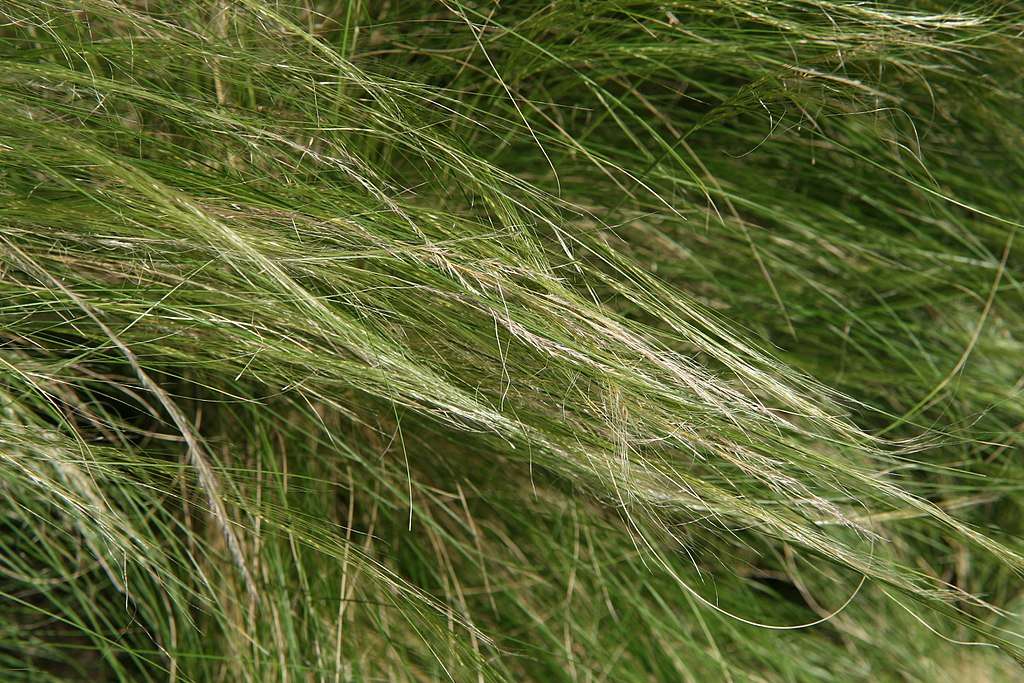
511,341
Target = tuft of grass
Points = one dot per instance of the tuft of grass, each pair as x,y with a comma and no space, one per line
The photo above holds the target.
511,341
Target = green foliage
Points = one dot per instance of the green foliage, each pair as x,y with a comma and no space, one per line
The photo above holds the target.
481,341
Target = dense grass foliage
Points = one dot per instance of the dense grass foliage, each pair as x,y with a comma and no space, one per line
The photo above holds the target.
554,340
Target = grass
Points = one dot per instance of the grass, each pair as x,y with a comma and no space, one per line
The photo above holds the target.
586,341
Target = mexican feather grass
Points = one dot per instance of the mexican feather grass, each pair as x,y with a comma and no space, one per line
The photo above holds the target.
562,340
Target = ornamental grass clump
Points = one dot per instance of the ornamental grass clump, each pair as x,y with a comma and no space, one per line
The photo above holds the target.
511,341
